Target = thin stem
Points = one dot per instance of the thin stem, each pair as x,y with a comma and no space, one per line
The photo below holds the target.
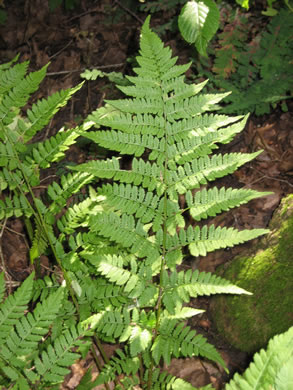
163,265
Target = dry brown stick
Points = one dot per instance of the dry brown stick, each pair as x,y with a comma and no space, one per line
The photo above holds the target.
83,69
128,11
7,276
264,176
61,50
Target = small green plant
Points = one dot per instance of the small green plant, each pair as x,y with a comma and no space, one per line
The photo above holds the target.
258,71
270,369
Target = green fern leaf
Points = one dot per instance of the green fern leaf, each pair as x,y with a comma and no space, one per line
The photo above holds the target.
41,112
70,184
125,231
206,169
112,268
179,287
198,126
11,77
76,216
181,341
142,173
138,124
119,363
209,203
14,179
40,240
164,381
207,239
52,149
146,206
14,307
17,97
15,207
113,324
29,330
52,364
264,372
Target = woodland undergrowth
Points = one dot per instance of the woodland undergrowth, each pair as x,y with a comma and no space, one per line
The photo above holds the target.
120,247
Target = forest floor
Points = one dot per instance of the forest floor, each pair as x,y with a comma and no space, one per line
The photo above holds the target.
105,34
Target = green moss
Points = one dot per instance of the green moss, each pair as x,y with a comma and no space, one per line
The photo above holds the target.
248,322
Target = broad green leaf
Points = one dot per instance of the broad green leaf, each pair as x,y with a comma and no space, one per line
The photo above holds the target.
198,23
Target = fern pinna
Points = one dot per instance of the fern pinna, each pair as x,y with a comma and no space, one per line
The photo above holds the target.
137,233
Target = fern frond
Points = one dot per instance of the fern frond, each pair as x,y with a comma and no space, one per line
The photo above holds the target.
267,365
112,268
198,126
178,340
209,203
70,184
101,294
204,169
17,97
207,239
131,124
133,144
15,207
11,76
51,365
189,149
41,112
76,216
15,179
120,363
29,330
125,231
179,287
142,173
14,306
40,239
114,323
144,205
52,149
164,381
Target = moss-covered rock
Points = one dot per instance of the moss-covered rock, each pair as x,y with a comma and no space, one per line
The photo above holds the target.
248,322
